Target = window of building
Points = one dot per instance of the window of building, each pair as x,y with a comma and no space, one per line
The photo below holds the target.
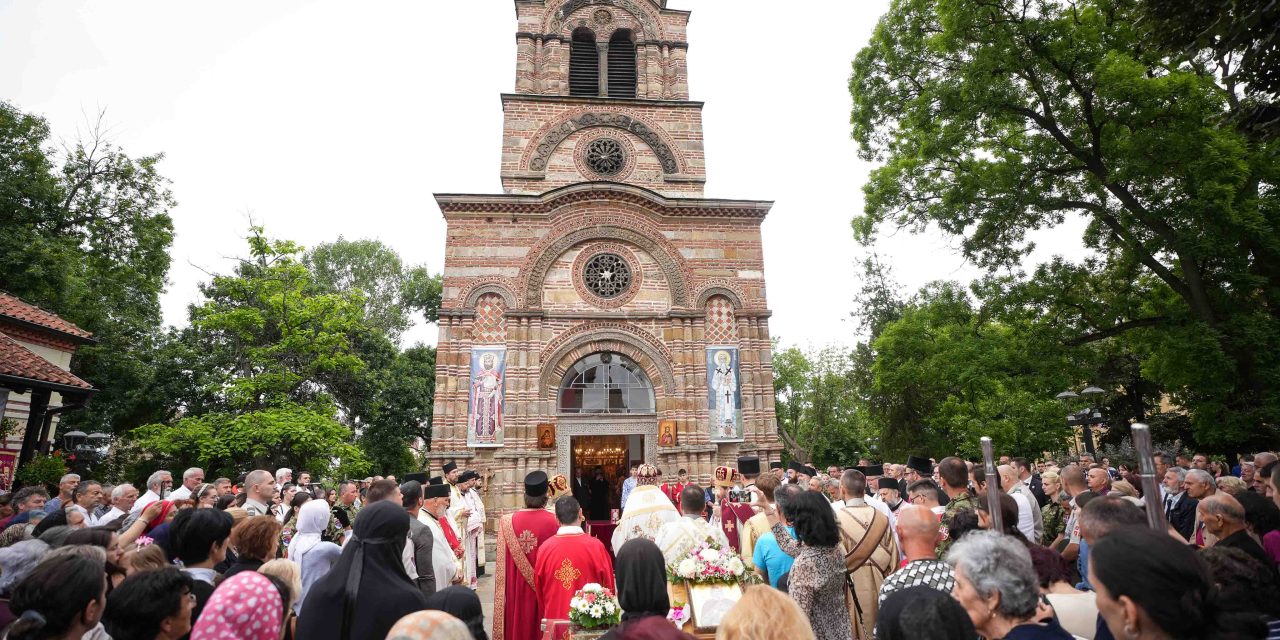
622,65
606,383
584,64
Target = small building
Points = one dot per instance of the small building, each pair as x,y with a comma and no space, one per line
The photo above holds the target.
36,383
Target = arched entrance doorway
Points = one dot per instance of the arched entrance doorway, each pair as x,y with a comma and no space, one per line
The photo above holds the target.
608,421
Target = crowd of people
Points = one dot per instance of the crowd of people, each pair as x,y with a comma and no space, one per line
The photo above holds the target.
928,549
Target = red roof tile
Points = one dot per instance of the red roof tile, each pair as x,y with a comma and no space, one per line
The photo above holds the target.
18,361
13,307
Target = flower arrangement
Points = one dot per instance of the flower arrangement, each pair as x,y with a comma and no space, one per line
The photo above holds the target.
707,564
594,607
678,614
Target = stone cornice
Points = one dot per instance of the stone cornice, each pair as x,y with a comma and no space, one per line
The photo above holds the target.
461,205
643,102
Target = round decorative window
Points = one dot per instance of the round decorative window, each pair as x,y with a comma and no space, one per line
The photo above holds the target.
605,156
607,275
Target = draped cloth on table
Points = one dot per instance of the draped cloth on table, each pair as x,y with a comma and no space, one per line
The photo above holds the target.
646,511
521,535
565,563
368,590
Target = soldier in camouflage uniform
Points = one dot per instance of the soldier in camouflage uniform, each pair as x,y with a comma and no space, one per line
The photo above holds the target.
954,474
344,512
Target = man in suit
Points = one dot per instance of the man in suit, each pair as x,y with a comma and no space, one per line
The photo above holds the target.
1030,481
1179,508
579,488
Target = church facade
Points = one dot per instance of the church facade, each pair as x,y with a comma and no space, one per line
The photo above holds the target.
601,311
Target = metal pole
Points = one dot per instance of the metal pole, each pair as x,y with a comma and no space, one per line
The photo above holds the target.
993,486
1150,487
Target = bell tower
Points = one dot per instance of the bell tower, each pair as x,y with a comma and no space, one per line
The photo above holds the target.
601,311
602,94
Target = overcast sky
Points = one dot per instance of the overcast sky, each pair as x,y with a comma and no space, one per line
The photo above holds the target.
327,118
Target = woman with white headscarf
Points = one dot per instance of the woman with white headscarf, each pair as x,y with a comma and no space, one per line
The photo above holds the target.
314,556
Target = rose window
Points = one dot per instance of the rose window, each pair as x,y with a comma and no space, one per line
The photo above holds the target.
607,275
605,156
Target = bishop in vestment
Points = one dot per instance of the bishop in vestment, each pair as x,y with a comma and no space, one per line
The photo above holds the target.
647,509
568,561
521,535
676,539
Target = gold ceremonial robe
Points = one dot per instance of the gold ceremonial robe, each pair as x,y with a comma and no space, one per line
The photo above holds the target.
755,527
854,520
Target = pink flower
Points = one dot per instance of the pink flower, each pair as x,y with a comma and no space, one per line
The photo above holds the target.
591,597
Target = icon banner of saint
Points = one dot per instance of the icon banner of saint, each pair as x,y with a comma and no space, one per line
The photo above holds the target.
546,436
485,400
724,394
667,433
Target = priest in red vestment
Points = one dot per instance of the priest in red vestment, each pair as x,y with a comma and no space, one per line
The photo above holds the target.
569,560
673,489
521,535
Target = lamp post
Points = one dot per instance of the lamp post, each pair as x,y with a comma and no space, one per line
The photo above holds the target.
1086,417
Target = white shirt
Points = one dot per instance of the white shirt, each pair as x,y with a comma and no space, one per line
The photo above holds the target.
110,516
181,493
203,575
568,530
146,499
1026,522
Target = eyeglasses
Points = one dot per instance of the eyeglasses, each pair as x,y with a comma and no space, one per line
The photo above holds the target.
914,499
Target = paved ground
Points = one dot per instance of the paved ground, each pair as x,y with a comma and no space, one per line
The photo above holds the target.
485,591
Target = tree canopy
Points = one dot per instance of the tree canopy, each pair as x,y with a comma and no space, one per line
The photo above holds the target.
995,118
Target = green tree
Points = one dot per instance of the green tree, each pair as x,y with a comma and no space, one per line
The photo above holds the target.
387,402
994,118
946,376
270,337
89,242
817,415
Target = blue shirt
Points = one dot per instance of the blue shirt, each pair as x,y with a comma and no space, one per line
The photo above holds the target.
53,505
1082,565
627,486
769,555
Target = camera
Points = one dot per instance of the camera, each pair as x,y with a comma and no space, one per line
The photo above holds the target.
739,495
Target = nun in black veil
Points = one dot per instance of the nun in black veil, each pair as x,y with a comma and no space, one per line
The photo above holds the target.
367,591
642,593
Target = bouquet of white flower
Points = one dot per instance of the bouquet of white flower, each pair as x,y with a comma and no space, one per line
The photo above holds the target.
594,607
707,563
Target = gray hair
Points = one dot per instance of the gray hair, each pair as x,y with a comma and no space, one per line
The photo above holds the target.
18,559
997,563
1202,476
189,473
22,496
783,496
154,481
1178,471
69,476
118,491
83,550
280,473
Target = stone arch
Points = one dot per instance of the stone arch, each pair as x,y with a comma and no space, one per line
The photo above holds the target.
719,288
552,134
500,288
557,18
583,229
594,337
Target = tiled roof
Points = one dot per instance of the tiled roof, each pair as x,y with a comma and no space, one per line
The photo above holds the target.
13,307
19,362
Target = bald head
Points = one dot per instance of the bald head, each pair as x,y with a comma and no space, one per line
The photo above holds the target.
1008,476
918,531
1224,505
1073,479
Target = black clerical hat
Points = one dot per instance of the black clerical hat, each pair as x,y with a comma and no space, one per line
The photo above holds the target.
468,475
776,464
889,483
419,477
920,465
449,466
439,490
749,465
536,484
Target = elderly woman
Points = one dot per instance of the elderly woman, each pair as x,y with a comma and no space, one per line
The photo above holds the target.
16,561
998,587
1052,513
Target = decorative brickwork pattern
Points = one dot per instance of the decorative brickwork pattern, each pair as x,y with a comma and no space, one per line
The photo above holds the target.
722,325
636,274
490,324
